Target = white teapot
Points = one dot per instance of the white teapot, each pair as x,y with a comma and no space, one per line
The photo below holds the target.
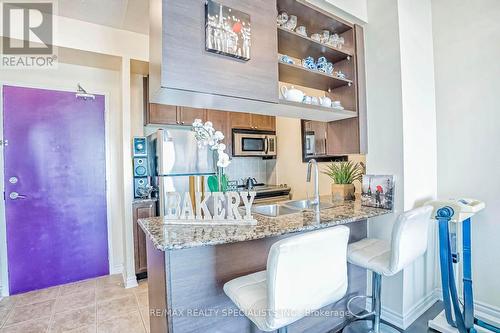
292,94
325,101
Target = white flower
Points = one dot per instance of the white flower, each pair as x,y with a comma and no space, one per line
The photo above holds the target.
221,147
197,123
208,125
218,135
223,161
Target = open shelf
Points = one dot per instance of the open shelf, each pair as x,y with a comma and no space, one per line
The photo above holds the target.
298,46
313,17
327,114
295,74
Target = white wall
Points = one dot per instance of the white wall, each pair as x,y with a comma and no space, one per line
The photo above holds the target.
467,53
98,81
400,97
385,130
420,152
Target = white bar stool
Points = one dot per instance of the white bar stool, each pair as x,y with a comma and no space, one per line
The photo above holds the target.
304,273
409,241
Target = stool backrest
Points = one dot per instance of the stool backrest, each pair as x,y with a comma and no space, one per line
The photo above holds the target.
409,237
305,273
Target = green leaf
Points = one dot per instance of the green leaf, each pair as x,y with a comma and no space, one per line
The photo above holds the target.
344,172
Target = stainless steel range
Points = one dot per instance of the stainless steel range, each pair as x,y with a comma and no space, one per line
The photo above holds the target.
266,193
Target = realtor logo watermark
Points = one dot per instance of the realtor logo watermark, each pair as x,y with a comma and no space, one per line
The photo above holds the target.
27,35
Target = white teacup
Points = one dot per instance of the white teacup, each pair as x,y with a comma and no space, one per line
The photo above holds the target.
301,30
325,101
316,37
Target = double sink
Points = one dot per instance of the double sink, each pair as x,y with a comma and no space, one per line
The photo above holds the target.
288,207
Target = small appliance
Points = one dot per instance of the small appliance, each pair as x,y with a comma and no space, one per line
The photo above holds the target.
254,143
140,167
140,147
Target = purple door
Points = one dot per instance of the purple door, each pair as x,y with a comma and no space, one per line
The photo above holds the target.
55,162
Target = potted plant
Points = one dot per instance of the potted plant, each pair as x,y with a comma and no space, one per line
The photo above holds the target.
344,174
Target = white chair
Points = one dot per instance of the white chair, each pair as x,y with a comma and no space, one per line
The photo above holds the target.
409,241
304,273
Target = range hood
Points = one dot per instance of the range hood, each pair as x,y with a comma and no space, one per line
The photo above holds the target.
183,73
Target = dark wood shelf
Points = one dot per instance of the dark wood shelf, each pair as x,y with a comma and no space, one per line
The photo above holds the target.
328,114
301,76
298,46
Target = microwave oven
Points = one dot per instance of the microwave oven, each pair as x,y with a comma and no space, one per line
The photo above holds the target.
254,143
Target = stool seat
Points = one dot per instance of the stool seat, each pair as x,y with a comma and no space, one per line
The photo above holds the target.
304,273
249,294
408,242
373,254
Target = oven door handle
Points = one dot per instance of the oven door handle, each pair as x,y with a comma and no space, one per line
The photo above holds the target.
266,145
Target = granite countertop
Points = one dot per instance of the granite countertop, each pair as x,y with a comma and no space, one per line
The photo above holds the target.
174,237
146,200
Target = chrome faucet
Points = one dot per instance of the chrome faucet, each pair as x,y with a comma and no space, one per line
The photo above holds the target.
314,202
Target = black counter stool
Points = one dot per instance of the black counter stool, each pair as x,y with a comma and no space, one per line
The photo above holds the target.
409,241
304,273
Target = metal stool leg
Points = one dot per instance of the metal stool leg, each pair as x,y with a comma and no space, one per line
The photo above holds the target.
374,325
283,330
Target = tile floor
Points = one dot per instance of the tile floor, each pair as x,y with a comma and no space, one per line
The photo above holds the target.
100,305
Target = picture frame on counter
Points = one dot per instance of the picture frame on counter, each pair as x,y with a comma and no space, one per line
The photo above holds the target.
378,191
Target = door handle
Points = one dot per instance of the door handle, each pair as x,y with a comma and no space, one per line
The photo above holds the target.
266,145
15,196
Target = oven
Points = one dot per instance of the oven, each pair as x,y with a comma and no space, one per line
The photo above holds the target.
254,143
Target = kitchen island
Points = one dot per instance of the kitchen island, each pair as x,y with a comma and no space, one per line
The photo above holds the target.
189,264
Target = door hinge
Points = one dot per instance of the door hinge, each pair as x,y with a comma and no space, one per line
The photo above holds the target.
4,143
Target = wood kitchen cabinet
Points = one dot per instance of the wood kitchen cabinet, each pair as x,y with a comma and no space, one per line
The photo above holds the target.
220,120
161,114
263,123
187,115
252,121
141,210
240,120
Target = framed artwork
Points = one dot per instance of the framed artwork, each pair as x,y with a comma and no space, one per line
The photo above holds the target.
378,191
227,31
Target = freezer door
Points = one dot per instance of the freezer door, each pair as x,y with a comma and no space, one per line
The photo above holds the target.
178,153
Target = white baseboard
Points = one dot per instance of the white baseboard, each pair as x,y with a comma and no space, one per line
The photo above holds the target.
130,282
403,321
488,313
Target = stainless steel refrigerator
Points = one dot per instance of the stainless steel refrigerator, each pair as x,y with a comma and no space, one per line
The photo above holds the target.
178,163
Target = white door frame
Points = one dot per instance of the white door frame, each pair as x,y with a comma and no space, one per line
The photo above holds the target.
4,274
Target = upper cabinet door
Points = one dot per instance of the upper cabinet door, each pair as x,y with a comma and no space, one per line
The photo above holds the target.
241,120
220,121
162,114
188,66
187,115
263,123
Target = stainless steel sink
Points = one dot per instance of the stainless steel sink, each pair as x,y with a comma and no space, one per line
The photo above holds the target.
286,208
274,210
305,204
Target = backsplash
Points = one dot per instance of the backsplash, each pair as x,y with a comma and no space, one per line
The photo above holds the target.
243,167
